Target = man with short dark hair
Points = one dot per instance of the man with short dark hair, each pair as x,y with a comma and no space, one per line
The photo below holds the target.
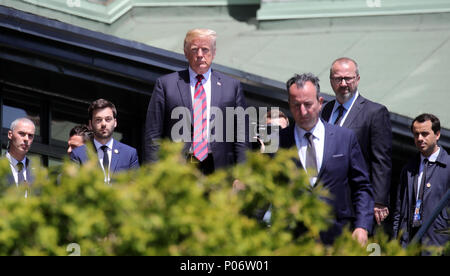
113,156
20,136
78,136
423,182
331,156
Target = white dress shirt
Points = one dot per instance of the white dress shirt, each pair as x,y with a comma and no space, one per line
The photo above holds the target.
347,107
98,146
431,158
318,134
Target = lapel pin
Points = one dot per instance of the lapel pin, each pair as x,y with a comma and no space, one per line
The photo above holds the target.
428,185
116,151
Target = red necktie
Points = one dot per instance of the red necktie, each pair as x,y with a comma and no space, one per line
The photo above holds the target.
200,143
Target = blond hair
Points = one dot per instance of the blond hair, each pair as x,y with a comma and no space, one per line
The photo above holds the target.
197,33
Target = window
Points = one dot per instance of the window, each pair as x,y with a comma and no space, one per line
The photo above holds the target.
11,111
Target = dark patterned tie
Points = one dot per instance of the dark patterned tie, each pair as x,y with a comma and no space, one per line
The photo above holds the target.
105,158
339,117
20,175
200,143
311,163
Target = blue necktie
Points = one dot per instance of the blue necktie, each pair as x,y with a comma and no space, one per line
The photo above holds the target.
339,117
105,158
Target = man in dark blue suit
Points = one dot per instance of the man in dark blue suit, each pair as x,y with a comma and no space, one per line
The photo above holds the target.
113,156
202,97
423,182
371,124
20,136
331,156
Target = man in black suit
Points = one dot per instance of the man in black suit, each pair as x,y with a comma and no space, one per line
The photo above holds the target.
371,124
423,182
20,136
202,97
331,156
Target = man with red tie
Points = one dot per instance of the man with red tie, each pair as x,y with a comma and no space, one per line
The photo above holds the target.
203,93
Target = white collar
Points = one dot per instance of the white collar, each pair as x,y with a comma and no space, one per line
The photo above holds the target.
317,131
193,75
14,162
109,144
431,158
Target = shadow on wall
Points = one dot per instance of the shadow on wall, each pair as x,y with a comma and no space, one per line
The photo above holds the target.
243,13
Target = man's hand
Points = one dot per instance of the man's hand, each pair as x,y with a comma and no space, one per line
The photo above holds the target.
361,235
381,212
238,186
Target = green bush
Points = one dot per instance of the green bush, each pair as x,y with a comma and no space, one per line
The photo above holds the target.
170,208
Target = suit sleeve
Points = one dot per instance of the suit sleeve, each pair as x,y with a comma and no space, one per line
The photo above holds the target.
398,204
361,189
326,111
134,163
241,147
154,123
381,151
74,157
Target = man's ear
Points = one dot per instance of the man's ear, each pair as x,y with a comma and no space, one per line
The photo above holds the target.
9,134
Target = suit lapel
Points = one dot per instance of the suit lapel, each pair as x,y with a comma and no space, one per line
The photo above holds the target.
30,175
216,89
329,138
326,112
11,180
287,141
185,89
412,177
354,111
115,156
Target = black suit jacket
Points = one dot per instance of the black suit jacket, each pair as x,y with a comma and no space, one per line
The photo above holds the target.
344,174
372,126
438,177
173,91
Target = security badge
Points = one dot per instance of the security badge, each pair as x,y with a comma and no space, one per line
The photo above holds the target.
417,211
417,218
